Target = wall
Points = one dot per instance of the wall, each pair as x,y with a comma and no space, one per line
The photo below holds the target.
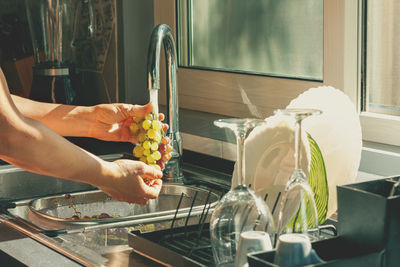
135,23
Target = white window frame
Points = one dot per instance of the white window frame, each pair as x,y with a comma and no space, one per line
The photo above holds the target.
218,92
379,128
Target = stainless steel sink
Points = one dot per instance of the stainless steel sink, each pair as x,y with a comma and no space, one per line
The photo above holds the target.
41,200
42,207
55,212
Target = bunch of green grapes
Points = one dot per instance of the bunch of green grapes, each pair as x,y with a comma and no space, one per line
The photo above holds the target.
153,146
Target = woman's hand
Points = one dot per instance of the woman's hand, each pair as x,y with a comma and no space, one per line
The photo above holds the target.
132,181
110,122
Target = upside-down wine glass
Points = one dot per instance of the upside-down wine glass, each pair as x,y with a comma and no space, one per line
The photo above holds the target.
298,212
395,188
239,210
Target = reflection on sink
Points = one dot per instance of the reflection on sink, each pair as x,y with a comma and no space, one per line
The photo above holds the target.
55,212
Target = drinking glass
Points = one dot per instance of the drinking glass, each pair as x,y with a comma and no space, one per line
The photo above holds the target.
298,212
239,210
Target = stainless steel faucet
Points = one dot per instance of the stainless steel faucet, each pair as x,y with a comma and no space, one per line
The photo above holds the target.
162,34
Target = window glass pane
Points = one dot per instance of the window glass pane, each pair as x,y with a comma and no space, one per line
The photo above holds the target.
273,37
383,57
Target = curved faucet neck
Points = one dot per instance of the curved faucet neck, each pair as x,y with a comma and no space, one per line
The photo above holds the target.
162,34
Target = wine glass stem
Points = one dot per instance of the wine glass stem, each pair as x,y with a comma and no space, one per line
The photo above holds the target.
240,158
297,143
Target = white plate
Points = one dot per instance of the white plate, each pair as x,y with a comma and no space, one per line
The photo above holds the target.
337,132
269,159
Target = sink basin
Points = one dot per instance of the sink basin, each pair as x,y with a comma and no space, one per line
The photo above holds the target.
41,200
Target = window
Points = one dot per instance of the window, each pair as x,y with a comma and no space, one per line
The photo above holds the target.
382,57
381,95
275,38
359,57
228,93
381,103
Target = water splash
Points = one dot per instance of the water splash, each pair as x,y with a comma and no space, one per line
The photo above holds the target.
154,99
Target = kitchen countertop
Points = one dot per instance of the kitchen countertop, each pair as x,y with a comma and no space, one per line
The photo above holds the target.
16,249
20,250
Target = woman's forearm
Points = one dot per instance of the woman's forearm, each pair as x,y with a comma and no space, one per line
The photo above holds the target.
66,120
34,147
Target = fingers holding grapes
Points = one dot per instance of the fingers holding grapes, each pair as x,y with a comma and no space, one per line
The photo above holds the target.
153,146
152,188
132,181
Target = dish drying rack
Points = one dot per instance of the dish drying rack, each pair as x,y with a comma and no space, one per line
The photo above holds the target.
187,244
178,246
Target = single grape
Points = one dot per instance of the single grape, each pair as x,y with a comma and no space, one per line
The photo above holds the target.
151,133
165,157
156,155
143,159
169,148
161,164
146,152
154,146
156,125
138,151
146,144
162,148
165,140
104,216
165,127
142,137
157,137
134,128
146,124
150,159
149,116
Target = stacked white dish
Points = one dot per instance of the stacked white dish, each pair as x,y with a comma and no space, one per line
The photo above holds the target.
330,149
